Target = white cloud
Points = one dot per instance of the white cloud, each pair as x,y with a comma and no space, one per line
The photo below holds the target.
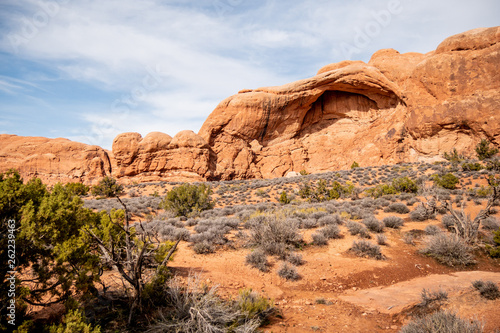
201,52
104,128
13,85
8,87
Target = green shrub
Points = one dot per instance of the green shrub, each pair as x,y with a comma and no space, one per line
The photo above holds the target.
187,199
493,164
448,181
472,166
494,249
53,248
77,188
163,250
303,172
481,192
381,190
484,151
253,305
453,156
107,187
321,192
442,322
153,291
27,326
405,184
305,191
340,191
354,165
74,322
284,198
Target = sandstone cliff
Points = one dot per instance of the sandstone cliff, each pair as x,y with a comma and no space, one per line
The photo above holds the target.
185,157
53,160
395,108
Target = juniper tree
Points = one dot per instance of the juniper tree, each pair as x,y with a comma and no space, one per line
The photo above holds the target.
53,260
187,199
126,249
484,151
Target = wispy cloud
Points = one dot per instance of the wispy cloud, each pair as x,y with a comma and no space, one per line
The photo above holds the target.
8,87
13,85
93,60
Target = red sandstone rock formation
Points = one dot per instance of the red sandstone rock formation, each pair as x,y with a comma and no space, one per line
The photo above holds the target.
53,160
396,108
318,124
186,157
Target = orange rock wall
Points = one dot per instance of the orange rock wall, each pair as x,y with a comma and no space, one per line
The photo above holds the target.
395,108
53,160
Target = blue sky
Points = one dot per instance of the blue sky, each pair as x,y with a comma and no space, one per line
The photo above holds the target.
88,70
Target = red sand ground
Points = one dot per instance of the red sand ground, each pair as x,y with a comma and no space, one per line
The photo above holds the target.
341,278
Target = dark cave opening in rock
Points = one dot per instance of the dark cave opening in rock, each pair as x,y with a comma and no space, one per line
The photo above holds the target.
333,105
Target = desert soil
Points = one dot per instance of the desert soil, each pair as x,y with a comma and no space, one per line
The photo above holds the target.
362,295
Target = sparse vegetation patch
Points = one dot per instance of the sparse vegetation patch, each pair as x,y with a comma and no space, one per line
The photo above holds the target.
442,322
187,199
449,250
366,249
487,289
